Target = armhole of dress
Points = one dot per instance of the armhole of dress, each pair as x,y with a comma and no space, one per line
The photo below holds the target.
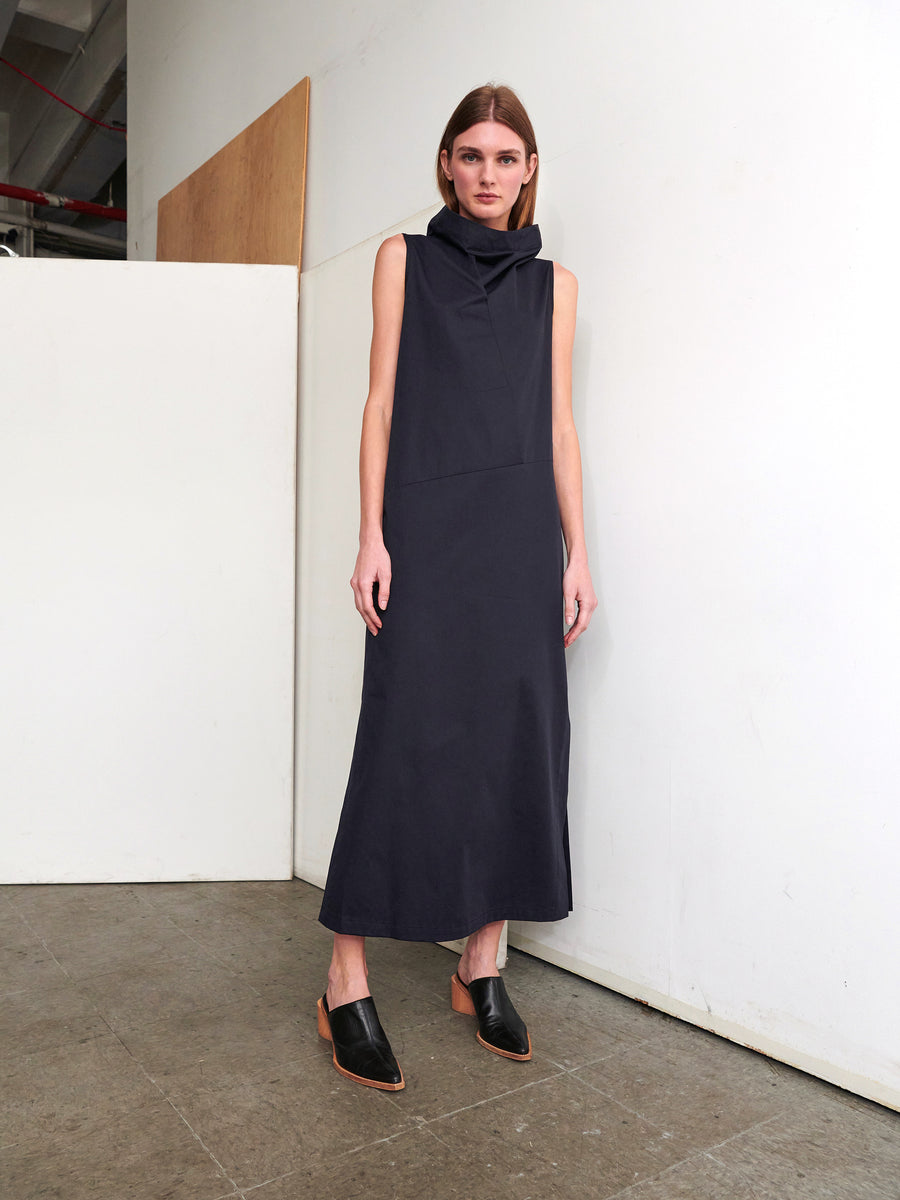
407,241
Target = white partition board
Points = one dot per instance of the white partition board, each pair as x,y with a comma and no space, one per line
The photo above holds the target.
734,779
147,486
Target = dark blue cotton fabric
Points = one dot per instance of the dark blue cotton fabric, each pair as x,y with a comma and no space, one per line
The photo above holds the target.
455,810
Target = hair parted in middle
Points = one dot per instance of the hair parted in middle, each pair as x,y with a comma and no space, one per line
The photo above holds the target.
492,102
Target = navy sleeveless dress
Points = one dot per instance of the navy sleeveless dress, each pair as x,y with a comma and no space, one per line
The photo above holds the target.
455,810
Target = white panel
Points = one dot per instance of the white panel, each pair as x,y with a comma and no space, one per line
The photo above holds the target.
147,530
334,358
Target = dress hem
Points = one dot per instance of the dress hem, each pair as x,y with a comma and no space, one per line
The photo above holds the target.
447,934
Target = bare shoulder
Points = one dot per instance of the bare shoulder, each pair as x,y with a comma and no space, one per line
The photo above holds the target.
389,278
392,253
565,298
565,284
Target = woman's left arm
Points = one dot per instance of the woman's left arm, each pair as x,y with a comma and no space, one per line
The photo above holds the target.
579,598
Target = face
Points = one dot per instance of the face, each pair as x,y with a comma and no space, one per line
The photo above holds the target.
488,167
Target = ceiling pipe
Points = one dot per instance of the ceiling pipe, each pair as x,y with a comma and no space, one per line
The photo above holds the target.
70,232
79,206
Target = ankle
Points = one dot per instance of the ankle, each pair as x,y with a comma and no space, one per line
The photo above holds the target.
346,983
475,968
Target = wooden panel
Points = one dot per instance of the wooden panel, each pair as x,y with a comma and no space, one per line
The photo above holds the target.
245,204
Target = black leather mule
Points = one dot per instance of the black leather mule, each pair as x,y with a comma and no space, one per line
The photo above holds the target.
360,1048
500,1028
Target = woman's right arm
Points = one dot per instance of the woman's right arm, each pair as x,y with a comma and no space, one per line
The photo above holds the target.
373,564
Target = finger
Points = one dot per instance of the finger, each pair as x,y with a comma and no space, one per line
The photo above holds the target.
578,628
384,591
365,606
570,610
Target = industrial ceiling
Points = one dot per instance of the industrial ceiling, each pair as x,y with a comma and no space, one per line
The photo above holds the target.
75,49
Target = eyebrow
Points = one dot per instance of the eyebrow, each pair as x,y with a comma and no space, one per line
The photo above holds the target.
477,150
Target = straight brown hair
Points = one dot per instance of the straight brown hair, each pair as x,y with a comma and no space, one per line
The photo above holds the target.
491,103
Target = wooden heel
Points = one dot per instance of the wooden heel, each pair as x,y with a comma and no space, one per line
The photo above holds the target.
460,1000
324,1027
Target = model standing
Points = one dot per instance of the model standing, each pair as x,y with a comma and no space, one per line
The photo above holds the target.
454,818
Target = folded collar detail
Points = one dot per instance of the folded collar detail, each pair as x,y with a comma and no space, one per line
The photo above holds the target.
496,248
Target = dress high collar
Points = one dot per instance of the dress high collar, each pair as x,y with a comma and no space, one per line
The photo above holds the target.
498,249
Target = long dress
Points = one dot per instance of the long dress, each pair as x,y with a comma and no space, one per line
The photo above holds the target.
455,809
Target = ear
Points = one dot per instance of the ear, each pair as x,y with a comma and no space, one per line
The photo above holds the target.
532,167
445,165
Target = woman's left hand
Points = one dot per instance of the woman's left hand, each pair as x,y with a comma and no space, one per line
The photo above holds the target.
579,599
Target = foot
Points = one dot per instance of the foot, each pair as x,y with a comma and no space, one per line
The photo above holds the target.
500,1028
345,988
359,1046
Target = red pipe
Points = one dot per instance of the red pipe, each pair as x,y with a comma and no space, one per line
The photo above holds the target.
79,206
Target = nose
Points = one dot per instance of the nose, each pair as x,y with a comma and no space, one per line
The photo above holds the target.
487,177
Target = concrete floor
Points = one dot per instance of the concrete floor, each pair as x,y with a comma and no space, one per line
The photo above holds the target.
158,1042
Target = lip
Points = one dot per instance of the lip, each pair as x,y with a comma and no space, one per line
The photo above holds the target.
487,196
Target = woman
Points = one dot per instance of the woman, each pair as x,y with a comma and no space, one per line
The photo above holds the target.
454,818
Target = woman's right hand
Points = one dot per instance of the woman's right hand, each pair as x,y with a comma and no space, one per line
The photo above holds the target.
373,565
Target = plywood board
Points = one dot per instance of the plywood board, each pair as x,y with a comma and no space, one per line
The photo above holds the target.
245,204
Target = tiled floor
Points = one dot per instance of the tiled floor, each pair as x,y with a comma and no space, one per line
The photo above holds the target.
158,1042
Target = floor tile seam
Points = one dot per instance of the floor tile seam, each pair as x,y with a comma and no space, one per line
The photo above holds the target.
140,1066
10,1056
207,952
50,910
131,965
248,1191
625,1192
159,1022
226,1082
11,916
691,1158
651,1121
411,1125
42,942
244,908
625,1108
35,987
710,1150
236,1190
76,1041
867,1110
592,1062
738,1171
189,935
427,1121
152,962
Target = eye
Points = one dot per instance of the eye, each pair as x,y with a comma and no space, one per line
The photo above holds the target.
508,160
469,156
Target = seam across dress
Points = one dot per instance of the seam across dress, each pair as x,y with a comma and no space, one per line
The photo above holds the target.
455,809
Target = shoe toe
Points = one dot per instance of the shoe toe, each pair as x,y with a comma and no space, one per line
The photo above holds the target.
509,1040
360,1046
500,1028
379,1067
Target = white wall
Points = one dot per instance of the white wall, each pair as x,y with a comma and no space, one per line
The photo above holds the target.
147,545
722,179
